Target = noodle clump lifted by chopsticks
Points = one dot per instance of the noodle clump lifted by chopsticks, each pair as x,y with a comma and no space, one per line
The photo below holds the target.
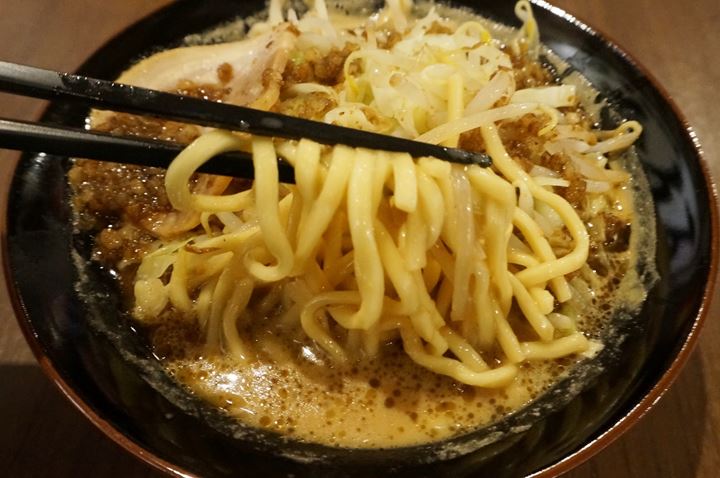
467,268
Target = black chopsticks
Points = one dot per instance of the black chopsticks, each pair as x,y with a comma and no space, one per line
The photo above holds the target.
107,95
61,140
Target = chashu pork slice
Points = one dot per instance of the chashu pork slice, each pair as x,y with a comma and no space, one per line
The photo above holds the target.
257,66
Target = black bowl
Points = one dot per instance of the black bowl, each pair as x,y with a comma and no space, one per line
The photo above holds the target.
72,318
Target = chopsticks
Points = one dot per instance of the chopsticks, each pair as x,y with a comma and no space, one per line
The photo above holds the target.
107,95
65,141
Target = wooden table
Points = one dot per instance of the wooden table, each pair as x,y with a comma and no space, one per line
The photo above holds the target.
41,434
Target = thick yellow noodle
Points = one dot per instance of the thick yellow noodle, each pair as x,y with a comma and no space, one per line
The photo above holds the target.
369,226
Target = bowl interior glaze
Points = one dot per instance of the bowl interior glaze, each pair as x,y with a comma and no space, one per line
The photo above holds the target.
75,329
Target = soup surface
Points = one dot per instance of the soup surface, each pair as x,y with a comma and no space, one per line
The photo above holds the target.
382,398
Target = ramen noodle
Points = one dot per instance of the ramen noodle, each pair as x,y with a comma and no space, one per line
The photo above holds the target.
380,300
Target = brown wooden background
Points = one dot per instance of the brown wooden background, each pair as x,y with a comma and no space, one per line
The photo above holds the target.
42,435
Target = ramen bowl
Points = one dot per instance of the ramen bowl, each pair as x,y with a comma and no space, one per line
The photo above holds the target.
72,315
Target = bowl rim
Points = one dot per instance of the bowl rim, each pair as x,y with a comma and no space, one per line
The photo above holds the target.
563,465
